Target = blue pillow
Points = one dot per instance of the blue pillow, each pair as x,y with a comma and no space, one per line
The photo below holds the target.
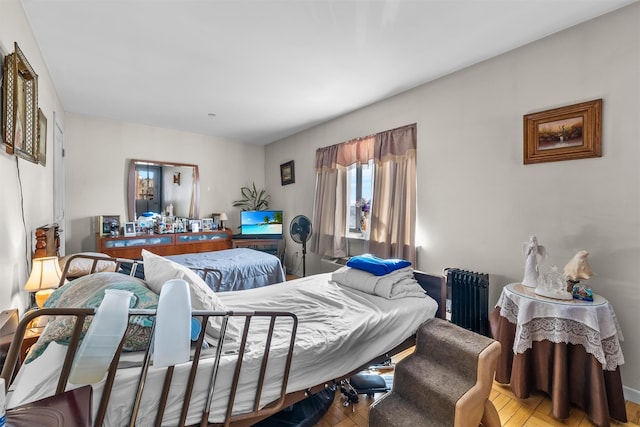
377,266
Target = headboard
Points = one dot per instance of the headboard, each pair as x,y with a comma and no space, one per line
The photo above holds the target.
436,288
47,241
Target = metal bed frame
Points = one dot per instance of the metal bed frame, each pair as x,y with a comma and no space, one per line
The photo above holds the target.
433,284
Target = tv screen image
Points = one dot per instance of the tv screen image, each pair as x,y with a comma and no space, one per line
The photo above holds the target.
261,223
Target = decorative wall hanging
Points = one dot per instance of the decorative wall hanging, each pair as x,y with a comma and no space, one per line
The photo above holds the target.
20,107
42,138
287,173
566,133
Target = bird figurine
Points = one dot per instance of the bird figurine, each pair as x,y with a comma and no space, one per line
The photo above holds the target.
578,268
532,250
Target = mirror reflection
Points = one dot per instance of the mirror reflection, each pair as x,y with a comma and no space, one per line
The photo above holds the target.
163,188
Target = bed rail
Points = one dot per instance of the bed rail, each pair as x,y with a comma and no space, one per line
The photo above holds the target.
96,263
282,320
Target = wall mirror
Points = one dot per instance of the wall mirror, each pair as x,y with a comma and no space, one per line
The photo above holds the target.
162,187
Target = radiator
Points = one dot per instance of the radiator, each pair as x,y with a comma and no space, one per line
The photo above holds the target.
469,299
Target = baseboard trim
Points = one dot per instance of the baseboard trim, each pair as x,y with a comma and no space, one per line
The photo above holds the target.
631,394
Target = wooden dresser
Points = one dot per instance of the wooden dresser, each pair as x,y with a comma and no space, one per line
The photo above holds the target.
164,244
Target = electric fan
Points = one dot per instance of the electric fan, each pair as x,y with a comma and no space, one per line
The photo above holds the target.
300,231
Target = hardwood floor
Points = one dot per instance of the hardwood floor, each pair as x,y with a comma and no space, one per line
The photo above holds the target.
532,412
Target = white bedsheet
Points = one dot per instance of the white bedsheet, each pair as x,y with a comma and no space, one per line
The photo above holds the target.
339,330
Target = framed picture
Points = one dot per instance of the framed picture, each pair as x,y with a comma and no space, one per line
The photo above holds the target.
287,173
129,228
216,220
566,133
207,224
109,224
42,138
195,225
20,107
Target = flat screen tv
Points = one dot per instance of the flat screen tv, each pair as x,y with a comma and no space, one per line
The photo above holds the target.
263,224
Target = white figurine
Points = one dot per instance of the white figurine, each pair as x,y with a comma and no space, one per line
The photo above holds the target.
531,250
578,268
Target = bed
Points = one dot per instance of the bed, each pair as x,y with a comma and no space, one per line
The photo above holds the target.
313,332
235,269
224,270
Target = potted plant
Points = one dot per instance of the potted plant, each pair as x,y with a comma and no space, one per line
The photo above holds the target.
253,199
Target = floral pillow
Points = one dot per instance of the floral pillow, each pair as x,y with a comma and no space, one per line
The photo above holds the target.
88,292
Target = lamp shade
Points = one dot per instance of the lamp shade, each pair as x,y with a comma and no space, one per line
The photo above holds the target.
223,216
45,274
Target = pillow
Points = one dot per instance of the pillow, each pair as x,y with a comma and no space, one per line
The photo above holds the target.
88,292
158,270
82,266
375,265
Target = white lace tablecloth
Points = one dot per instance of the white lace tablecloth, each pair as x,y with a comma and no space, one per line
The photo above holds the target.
591,324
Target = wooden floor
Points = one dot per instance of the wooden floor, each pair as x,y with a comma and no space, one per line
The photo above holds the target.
532,412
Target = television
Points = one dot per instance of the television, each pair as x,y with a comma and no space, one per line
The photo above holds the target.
261,224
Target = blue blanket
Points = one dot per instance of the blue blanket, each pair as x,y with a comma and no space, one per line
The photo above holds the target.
377,266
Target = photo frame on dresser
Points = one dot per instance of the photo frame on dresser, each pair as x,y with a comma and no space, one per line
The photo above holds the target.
109,224
129,228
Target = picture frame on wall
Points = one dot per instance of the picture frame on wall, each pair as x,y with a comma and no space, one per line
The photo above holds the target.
20,107
287,173
565,133
42,138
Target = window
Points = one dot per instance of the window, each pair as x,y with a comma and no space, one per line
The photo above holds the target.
360,197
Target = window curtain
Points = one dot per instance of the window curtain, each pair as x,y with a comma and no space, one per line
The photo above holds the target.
393,214
330,206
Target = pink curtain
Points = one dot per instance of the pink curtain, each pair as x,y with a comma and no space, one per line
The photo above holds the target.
330,207
393,215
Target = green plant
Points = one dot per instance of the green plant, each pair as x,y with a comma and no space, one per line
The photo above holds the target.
253,199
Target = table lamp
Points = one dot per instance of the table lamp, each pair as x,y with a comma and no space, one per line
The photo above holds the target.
45,277
223,218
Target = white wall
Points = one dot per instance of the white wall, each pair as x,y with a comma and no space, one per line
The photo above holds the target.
98,152
26,189
477,202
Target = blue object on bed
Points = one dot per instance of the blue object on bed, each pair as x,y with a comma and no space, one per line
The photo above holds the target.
377,266
240,268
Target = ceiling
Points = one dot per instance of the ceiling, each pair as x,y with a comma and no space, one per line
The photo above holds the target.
266,68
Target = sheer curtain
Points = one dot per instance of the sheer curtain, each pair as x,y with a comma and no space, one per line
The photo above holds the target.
330,204
393,214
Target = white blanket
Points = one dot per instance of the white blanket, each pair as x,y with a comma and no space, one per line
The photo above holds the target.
398,284
339,330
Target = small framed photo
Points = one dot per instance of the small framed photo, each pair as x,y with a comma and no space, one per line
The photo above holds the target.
129,228
195,225
42,138
109,225
565,133
207,224
287,173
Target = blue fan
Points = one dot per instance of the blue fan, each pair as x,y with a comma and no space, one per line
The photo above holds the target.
300,231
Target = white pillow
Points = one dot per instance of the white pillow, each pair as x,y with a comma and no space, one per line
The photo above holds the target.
82,266
158,270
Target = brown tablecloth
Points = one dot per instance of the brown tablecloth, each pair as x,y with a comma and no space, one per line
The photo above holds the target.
566,372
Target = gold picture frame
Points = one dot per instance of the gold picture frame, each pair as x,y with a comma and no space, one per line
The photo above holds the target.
20,107
565,133
42,138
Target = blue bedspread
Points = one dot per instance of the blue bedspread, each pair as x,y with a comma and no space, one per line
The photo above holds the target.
241,268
